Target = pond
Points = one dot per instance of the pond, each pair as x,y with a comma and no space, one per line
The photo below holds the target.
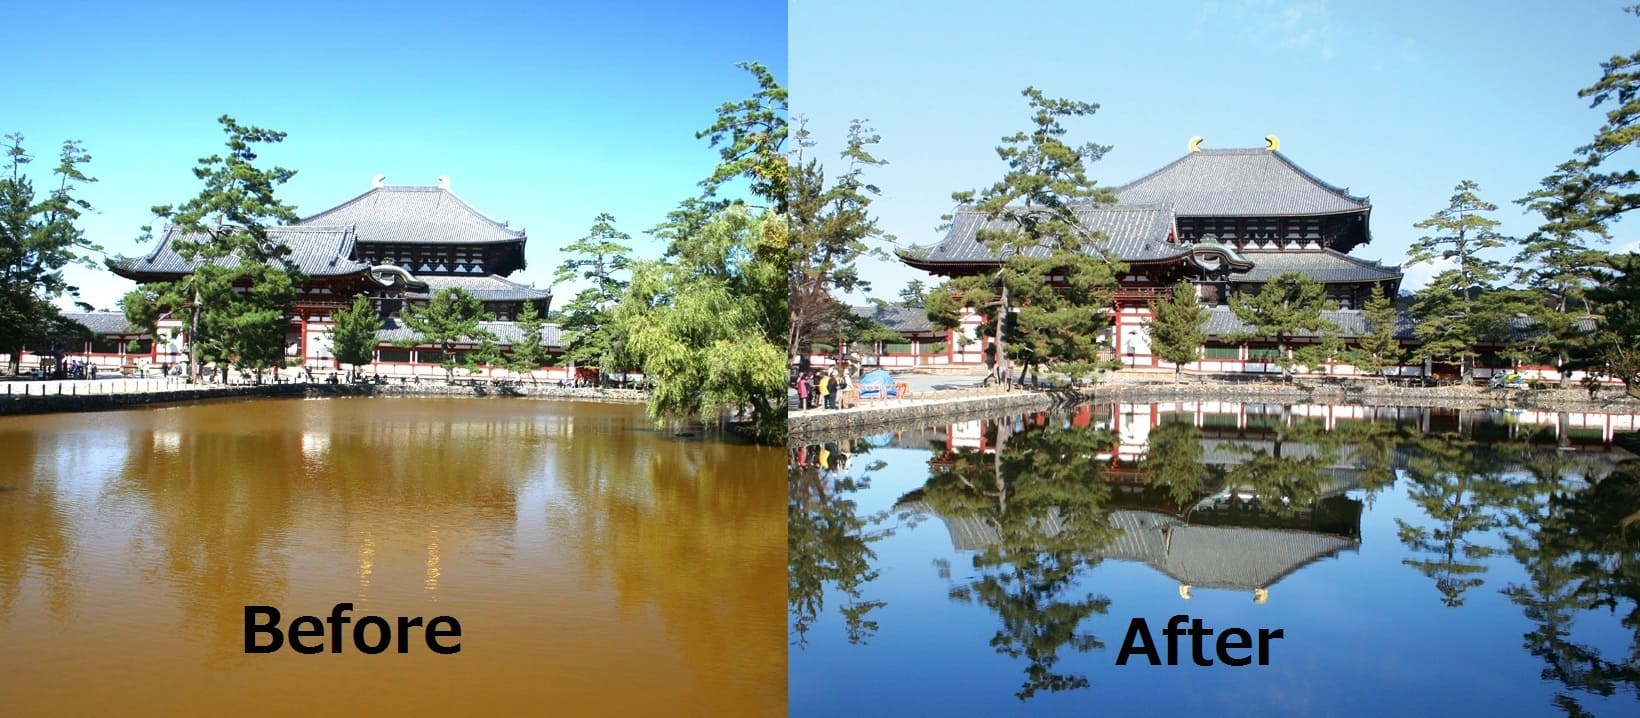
1414,561
596,566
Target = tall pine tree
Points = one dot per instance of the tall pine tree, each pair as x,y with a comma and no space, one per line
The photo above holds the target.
1377,348
1177,327
1452,309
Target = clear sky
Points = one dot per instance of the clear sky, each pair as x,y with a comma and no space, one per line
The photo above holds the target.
1395,100
543,114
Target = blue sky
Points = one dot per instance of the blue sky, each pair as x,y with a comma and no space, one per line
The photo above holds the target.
542,114
1394,100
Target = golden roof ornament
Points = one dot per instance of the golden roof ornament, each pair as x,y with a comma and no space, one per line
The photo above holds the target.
1196,144
1273,143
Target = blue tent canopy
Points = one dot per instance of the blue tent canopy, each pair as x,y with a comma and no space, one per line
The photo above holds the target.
875,381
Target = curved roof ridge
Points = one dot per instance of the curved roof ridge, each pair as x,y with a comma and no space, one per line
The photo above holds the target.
1340,191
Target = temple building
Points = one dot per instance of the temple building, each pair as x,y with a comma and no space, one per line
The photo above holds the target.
395,244
1225,220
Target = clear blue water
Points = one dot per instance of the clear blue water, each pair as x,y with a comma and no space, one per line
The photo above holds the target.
1417,563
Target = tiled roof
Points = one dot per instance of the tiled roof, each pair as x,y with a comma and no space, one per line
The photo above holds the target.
897,317
506,333
315,250
1351,322
1239,183
104,322
416,214
1134,232
1201,556
1322,265
490,288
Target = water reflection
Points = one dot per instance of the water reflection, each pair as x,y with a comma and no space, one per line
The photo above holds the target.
1217,498
619,571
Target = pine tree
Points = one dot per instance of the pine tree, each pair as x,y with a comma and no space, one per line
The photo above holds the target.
1378,348
223,233
452,316
353,338
1288,306
1037,234
831,228
38,238
1177,327
528,353
1451,317
599,259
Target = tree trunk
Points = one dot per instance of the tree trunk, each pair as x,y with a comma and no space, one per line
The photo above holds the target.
193,341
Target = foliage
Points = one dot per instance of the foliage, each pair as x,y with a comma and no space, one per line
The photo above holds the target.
1036,232
1044,493
38,239
752,133
1446,476
1177,327
222,233
1288,306
830,227
1585,193
451,317
914,294
353,336
828,542
1454,310
702,326
528,353
1377,349
1615,341
588,318
1173,461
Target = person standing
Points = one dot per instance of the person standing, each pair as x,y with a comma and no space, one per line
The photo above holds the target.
825,390
803,391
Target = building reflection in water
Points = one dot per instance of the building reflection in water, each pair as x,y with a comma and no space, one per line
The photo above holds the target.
1233,497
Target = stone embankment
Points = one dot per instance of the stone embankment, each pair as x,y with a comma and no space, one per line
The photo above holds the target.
67,396
927,408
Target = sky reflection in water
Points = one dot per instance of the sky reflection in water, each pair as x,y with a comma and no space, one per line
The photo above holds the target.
1419,563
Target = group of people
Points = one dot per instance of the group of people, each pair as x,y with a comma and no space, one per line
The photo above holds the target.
827,389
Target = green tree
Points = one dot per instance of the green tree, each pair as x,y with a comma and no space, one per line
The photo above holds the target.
528,353
1447,479
353,338
1043,496
914,294
1287,307
830,229
222,233
1034,228
597,259
1587,192
1174,461
1615,338
1177,327
451,317
750,135
38,239
703,325
1377,349
1451,314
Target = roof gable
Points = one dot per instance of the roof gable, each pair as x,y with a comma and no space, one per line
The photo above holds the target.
1240,183
416,214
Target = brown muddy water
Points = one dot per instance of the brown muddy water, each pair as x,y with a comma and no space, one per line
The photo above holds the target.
596,566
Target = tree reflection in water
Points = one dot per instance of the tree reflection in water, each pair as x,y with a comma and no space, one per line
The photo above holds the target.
1581,552
1042,494
827,542
1033,508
